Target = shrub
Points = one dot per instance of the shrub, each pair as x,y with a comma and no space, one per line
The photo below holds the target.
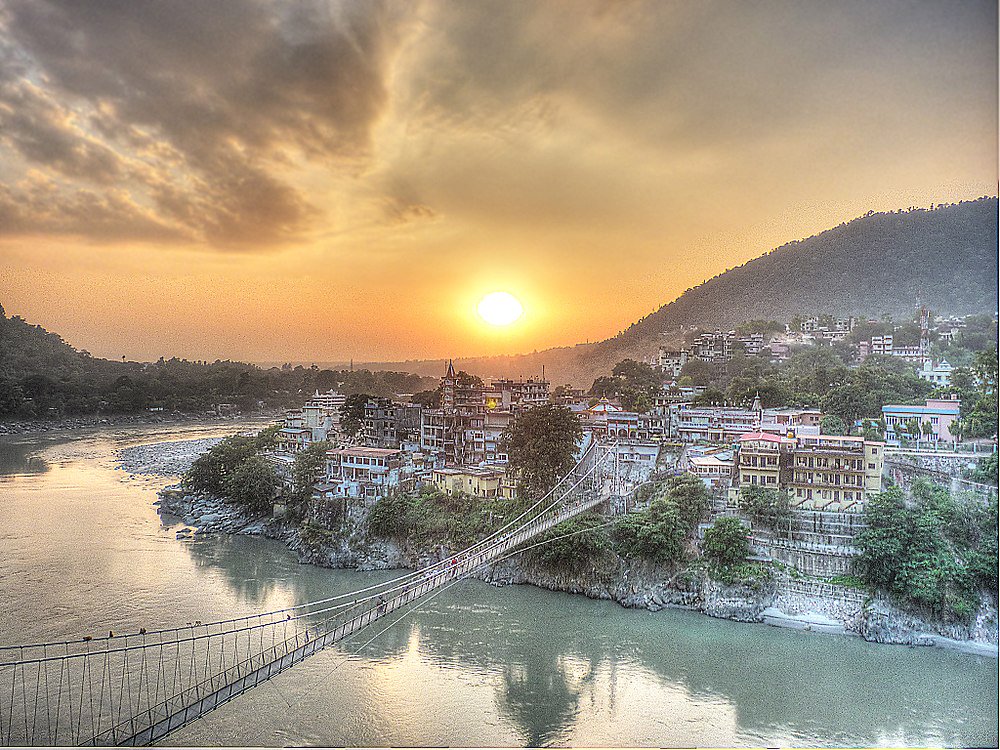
727,542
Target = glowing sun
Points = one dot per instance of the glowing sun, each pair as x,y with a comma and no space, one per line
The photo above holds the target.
500,308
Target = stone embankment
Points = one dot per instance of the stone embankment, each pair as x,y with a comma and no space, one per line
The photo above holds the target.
785,602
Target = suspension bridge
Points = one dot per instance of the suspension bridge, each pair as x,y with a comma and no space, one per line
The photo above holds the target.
136,688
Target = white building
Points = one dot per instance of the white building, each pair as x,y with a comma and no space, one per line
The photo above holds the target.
939,374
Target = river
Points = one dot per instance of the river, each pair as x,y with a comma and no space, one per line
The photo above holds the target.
84,551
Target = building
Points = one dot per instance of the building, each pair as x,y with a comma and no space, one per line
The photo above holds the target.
363,472
628,425
820,472
317,420
885,346
466,430
763,460
938,414
939,374
835,472
713,466
470,480
672,361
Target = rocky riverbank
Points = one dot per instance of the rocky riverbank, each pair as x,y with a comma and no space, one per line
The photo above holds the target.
783,602
33,426
163,459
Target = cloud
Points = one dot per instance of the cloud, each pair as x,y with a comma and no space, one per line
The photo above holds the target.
201,112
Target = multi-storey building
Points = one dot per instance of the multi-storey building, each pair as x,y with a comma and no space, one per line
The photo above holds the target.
363,472
763,460
466,430
629,425
390,425
317,420
713,466
672,361
471,480
939,374
725,424
820,472
835,472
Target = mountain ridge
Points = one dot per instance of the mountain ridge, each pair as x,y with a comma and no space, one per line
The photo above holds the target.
878,264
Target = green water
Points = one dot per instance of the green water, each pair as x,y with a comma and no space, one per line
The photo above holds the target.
84,552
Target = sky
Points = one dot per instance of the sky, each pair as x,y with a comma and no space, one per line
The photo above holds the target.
320,181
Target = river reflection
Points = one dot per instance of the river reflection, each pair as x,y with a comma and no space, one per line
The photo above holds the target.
20,458
84,552
563,669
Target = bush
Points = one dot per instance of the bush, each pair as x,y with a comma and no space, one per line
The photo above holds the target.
253,484
930,549
589,544
656,534
727,542
766,506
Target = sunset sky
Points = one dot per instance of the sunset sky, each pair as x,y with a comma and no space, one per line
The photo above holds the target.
321,181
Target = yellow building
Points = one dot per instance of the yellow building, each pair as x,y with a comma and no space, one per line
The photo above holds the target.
469,480
835,472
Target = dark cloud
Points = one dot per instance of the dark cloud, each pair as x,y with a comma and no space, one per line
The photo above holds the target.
212,102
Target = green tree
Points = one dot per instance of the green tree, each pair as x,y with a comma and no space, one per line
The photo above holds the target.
831,424
727,542
210,471
656,533
692,499
252,484
575,543
267,438
540,445
308,463
352,414
766,506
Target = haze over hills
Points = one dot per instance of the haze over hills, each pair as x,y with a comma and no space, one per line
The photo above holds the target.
878,264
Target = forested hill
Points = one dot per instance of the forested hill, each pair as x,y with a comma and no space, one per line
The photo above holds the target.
43,376
877,264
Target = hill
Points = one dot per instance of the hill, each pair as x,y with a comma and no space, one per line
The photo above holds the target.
43,376
878,264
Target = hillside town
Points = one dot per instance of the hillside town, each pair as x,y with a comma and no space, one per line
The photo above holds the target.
455,444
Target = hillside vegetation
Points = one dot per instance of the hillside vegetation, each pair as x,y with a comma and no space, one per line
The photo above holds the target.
43,376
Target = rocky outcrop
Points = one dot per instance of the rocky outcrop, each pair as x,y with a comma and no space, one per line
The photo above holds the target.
881,622
632,584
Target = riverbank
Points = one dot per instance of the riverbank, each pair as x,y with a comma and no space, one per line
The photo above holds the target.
63,424
801,604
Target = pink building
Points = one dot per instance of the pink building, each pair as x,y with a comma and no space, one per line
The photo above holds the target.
939,413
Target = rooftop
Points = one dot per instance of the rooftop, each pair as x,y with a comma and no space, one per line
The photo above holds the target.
360,450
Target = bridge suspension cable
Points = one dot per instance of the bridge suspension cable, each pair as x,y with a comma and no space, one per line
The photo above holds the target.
135,688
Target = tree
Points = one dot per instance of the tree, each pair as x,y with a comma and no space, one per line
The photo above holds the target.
211,470
540,445
579,541
267,438
352,414
308,462
930,549
253,484
727,542
692,498
767,506
831,424
656,533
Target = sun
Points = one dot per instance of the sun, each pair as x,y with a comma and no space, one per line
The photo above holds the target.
500,308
